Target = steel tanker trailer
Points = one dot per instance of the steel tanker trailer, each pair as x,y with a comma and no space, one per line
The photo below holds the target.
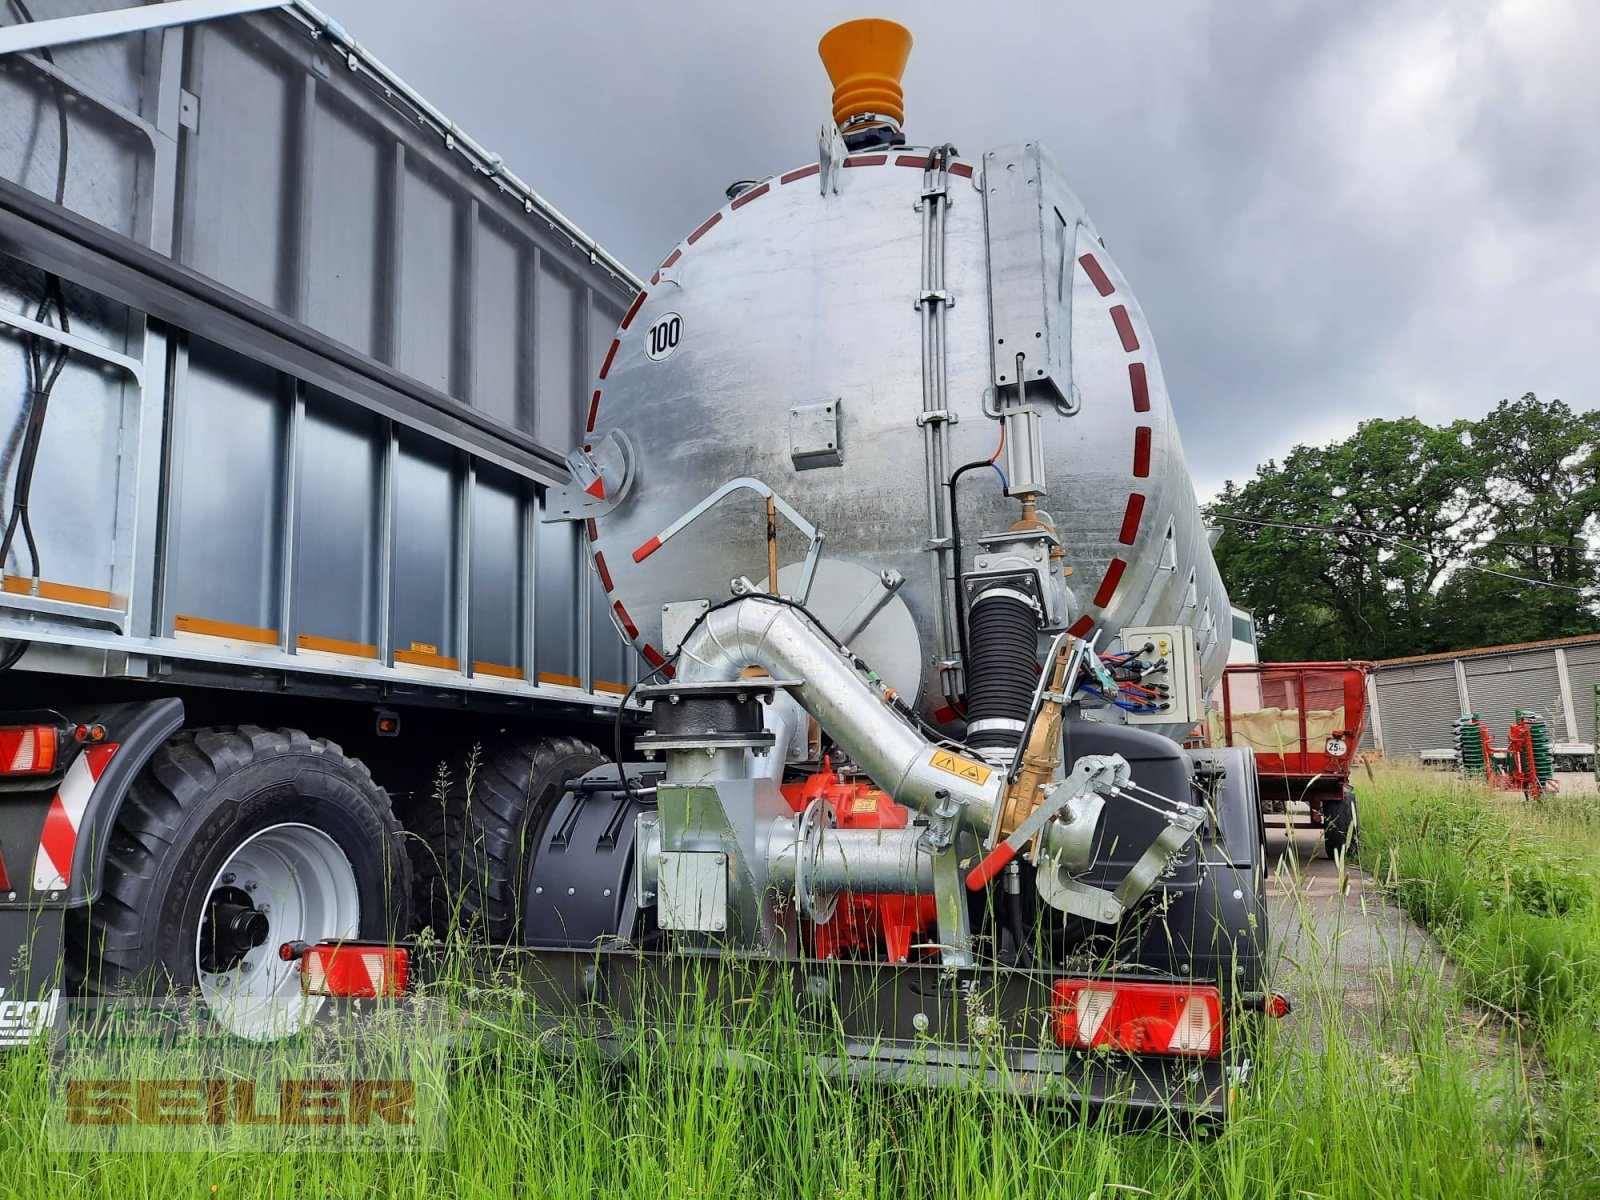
881,479
327,466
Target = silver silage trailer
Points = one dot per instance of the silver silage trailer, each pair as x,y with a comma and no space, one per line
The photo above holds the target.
283,357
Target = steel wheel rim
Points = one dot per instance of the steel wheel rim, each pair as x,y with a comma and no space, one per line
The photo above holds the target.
303,883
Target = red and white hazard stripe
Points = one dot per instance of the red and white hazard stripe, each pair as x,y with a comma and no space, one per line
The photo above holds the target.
52,865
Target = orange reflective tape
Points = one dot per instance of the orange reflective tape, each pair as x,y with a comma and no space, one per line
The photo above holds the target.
328,645
499,670
225,629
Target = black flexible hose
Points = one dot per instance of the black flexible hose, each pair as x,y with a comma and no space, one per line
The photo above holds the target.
1003,670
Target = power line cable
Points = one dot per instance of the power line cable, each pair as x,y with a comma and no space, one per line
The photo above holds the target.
1382,537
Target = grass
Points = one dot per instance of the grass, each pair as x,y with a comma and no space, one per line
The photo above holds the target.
1511,888
1477,1081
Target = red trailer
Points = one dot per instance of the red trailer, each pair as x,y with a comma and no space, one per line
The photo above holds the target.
1304,721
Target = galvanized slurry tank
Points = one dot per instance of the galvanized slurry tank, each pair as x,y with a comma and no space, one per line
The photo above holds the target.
784,341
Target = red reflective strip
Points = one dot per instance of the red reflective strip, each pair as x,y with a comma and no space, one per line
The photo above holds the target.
633,309
961,169
5,877
677,253
1124,324
600,565
942,715
610,354
646,550
589,525
1108,585
802,173
58,838
98,757
867,160
594,411
627,621
754,193
1141,452
704,229
652,655
1140,383
911,160
1096,273
1130,519
1081,626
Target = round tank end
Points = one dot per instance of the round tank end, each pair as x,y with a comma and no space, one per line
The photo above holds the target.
865,60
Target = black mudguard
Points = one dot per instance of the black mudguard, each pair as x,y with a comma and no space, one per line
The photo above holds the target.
30,920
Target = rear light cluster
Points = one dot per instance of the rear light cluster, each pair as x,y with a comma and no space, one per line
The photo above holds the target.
29,749
351,971
1140,1018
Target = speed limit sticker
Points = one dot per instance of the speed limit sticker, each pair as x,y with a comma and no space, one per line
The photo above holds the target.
664,336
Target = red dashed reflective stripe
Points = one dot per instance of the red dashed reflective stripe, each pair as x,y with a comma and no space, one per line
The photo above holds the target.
916,160
627,621
610,354
705,228
1130,519
1097,275
633,309
961,169
594,411
801,173
1124,324
1141,452
652,655
1081,626
867,160
646,550
1108,585
600,566
590,527
754,193
1140,384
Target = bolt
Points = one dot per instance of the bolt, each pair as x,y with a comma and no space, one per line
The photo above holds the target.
919,1022
250,886
607,892
229,877
264,908
572,891
247,965
1237,894
538,891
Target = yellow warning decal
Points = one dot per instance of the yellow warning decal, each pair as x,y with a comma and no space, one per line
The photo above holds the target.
864,804
961,768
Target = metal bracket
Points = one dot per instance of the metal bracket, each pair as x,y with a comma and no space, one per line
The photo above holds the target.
935,296
937,415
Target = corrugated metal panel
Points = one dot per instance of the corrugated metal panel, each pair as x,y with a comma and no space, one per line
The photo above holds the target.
1583,668
1418,706
1498,686
201,490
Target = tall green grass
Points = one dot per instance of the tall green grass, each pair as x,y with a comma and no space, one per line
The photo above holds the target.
1511,888
1404,1099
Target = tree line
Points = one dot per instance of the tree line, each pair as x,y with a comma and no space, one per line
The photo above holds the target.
1410,538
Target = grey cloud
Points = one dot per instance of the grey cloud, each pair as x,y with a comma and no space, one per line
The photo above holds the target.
1329,211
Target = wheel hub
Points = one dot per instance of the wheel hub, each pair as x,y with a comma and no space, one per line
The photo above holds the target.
233,926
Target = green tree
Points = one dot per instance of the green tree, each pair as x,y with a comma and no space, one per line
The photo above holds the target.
1407,538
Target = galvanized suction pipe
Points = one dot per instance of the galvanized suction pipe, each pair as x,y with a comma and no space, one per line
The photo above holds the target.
757,632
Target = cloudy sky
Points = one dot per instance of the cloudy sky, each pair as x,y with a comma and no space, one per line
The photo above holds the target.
1330,211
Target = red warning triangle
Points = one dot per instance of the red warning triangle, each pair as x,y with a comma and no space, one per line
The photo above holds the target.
597,489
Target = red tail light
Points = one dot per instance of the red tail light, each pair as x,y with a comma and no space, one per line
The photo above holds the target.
29,750
354,971
1141,1018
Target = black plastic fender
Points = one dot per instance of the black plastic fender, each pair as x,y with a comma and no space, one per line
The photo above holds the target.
138,730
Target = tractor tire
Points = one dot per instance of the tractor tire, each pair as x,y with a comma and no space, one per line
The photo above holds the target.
1340,824
229,843
482,836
